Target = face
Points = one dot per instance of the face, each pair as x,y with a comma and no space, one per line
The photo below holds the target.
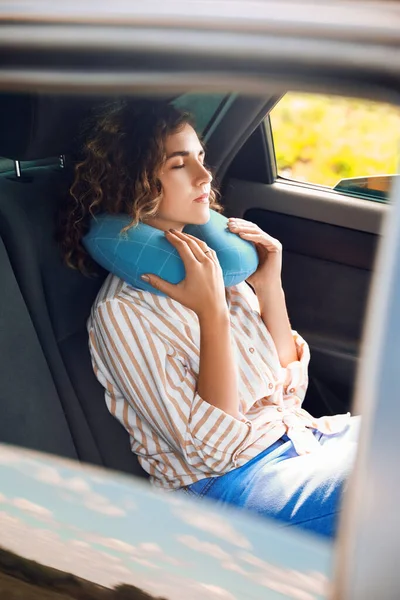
185,183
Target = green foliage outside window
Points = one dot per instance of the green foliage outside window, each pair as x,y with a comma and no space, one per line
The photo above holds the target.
323,139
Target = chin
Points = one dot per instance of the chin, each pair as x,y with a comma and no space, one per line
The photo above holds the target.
201,218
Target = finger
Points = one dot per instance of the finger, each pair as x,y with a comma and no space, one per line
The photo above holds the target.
201,243
194,244
183,249
262,238
238,229
241,222
251,228
210,252
267,239
245,226
160,284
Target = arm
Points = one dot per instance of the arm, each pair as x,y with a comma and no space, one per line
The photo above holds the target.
266,282
275,317
296,370
217,381
152,371
203,292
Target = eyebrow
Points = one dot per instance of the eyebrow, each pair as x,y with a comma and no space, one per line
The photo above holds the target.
182,153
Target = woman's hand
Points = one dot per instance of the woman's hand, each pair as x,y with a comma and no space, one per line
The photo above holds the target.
203,289
269,253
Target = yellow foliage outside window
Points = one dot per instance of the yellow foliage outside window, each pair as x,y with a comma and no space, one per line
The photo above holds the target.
322,139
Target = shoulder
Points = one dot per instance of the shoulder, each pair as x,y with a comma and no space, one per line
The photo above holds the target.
118,299
115,292
109,291
113,297
118,320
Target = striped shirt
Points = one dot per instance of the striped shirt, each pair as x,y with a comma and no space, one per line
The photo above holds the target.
145,353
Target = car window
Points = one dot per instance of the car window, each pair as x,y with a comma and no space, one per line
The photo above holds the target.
207,109
347,144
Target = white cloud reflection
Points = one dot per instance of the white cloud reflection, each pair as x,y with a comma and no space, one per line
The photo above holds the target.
217,592
83,559
289,582
109,561
213,523
34,509
143,554
39,512
78,490
205,547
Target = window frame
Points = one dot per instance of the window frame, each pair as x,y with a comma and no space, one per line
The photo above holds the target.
273,169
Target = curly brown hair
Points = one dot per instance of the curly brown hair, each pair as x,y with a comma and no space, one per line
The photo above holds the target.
122,155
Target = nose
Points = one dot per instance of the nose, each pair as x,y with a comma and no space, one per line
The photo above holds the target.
203,175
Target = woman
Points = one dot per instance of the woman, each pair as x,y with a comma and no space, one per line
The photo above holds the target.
208,381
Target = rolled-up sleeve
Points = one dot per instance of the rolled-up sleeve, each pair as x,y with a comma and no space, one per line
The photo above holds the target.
296,372
217,436
159,387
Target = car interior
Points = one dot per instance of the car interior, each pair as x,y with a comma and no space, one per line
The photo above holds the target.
51,400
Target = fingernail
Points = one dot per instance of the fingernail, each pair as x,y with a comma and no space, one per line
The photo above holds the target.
145,277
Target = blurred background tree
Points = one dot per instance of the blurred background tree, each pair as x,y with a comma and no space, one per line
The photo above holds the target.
323,139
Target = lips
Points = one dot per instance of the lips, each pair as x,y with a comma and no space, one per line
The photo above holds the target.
202,199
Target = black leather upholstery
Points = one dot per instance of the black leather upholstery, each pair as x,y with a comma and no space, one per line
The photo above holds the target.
57,299
31,413
37,126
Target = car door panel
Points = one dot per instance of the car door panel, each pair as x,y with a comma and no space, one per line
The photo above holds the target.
326,276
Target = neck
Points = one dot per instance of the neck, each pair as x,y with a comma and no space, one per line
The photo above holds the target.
164,225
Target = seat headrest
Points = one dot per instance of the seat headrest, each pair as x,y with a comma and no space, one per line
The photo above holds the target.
34,126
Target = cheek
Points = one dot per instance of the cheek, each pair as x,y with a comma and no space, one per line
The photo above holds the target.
175,193
175,182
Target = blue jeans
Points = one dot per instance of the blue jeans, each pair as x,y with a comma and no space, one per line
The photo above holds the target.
297,490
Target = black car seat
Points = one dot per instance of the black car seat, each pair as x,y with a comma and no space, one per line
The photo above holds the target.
58,299
31,413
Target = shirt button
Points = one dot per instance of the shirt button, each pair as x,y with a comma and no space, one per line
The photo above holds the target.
270,385
292,390
279,409
251,350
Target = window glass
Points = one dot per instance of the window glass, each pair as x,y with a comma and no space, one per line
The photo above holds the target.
206,109
350,145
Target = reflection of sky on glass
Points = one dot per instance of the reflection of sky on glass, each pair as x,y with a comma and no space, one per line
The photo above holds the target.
113,529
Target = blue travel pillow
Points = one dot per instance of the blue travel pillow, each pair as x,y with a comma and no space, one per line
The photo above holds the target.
145,249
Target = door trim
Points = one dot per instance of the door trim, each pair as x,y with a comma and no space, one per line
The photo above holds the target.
325,206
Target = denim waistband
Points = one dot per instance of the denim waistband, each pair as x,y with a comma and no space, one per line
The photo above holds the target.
202,487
